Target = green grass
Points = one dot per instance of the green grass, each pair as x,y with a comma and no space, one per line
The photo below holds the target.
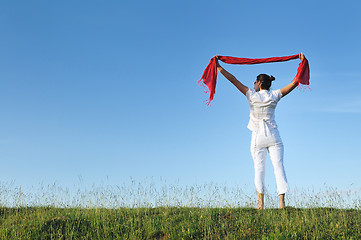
179,223
147,211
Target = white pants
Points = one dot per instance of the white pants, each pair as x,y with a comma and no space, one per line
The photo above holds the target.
263,141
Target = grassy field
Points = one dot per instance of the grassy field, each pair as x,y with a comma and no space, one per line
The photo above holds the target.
147,211
179,223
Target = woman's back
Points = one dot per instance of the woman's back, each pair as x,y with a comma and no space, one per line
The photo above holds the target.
262,107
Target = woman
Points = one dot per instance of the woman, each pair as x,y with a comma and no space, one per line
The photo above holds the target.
265,135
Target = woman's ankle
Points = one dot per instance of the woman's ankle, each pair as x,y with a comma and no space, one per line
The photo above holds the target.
260,197
281,200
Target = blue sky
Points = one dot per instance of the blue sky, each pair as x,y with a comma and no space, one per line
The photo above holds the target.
107,90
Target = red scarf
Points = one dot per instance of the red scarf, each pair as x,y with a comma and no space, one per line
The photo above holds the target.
210,73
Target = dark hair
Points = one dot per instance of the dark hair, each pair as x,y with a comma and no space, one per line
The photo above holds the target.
266,80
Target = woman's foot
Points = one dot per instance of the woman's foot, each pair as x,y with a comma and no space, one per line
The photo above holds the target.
260,201
281,200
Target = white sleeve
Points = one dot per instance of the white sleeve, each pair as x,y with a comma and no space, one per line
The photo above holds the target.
249,93
277,95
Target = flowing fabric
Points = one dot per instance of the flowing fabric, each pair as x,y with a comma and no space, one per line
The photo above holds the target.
209,77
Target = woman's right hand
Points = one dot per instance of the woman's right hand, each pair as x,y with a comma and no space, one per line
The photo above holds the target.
301,56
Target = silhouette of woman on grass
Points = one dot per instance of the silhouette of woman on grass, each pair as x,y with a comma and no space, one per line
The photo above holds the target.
265,135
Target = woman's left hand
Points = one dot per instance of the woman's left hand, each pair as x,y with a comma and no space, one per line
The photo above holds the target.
216,57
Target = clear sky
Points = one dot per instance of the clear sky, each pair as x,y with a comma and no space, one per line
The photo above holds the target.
107,90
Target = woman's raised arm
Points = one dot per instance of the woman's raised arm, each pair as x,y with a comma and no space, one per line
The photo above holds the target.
231,78
287,89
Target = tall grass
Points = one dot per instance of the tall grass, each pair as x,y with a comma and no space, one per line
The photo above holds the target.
149,193
146,210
